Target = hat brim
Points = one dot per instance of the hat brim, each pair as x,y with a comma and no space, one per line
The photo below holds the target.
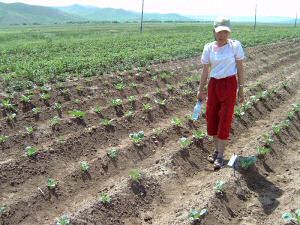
220,28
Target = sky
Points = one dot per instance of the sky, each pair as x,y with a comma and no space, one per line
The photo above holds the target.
189,7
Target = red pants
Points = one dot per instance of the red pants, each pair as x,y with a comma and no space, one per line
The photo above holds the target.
221,98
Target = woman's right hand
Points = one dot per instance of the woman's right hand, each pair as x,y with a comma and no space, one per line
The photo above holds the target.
201,96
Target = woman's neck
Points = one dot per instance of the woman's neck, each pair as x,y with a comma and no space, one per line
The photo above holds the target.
222,43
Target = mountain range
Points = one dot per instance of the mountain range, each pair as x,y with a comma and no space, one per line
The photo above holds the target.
20,13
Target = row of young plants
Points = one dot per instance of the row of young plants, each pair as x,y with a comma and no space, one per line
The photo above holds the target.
37,114
138,139
265,148
56,122
262,96
31,98
176,122
45,92
57,106
184,142
245,163
195,216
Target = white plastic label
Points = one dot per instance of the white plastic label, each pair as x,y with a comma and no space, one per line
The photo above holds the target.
232,160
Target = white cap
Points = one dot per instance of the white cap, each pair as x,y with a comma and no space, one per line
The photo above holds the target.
222,23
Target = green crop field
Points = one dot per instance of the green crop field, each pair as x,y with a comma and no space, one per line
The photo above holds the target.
41,54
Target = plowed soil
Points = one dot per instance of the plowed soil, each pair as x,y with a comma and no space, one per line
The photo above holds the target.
175,180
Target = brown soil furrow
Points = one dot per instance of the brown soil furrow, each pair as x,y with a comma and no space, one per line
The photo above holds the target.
188,195
169,146
90,101
68,126
180,195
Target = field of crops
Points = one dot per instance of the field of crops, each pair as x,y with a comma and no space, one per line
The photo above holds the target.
122,149
42,54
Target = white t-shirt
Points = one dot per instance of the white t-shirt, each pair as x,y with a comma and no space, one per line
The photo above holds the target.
222,59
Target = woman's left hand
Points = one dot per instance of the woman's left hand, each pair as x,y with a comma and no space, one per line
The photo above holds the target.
240,95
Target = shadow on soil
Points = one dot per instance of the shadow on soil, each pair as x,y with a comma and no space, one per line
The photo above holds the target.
267,192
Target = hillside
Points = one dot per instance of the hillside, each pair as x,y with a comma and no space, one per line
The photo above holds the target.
121,15
19,13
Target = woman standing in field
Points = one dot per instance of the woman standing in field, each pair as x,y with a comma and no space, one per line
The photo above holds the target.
223,63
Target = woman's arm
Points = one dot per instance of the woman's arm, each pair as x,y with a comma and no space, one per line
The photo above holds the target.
201,95
241,80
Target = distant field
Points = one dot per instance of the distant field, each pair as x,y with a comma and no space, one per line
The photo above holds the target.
39,54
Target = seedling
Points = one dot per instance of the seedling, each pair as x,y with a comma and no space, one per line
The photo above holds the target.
265,94
36,111
165,75
11,117
292,217
219,187
106,122
154,78
157,131
77,101
61,139
31,151
160,102
132,98
57,107
147,107
3,139
185,142
98,109
51,183
238,112
54,121
267,139
189,118
247,106
105,198
45,88
120,86
84,166
274,90
113,153
196,216
285,123
199,134
263,150
45,96
134,85
2,210
64,220
276,129
135,175
291,115
79,89
77,114
7,105
285,84
176,122
247,162
116,102
254,99
29,130
129,114
137,138
26,99
296,107
170,88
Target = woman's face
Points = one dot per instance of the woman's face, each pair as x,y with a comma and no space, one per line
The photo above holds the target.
222,35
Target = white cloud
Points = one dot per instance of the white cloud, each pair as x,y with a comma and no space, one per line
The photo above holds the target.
190,7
